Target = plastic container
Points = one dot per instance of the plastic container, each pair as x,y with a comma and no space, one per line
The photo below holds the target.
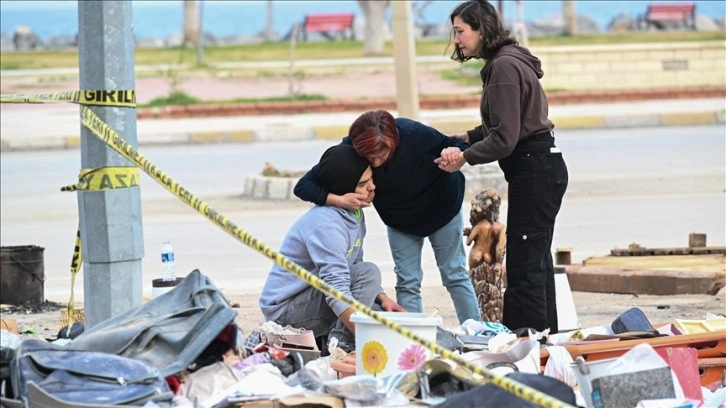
700,326
161,286
168,271
382,351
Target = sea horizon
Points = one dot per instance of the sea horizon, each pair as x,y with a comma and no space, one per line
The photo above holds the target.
162,19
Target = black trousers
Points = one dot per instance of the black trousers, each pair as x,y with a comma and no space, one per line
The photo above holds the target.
537,177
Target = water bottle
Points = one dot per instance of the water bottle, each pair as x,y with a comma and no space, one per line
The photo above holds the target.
167,262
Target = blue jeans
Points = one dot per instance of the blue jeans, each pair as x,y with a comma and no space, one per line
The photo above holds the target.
448,245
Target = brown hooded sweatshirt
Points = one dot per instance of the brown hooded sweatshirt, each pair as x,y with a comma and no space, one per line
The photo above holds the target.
513,105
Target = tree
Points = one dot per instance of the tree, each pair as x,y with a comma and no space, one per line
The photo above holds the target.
569,16
191,23
374,12
269,33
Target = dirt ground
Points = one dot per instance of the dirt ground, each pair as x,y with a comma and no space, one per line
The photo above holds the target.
593,309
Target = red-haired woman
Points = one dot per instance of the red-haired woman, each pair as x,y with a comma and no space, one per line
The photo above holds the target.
415,199
515,131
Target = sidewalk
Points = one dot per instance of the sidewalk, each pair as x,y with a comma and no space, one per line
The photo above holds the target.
51,126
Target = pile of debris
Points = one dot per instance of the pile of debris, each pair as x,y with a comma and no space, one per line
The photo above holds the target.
183,349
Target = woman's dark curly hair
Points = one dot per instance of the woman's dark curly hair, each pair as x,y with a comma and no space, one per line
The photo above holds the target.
482,16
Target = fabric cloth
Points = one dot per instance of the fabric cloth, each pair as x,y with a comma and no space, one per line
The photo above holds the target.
451,259
327,242
537,180
513,105
341,169
412,194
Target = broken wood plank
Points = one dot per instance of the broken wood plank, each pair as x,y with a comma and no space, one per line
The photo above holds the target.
668,251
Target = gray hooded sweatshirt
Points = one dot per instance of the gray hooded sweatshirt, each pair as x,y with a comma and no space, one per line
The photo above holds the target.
513,105
326,241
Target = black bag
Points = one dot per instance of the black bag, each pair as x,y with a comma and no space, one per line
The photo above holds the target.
492,396
77,377
170,331
631,320
6,356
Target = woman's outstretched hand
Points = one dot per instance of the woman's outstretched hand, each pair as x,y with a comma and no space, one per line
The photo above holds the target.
348,201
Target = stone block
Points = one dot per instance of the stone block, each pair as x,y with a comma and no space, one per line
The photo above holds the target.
271,188
279,188
645,282
696,240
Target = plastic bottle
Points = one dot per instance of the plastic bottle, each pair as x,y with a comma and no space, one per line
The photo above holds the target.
168,273
596,400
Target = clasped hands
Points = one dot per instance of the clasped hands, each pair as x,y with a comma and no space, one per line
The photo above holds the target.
451,160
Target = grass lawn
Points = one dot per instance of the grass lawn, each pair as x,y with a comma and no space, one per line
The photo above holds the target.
322,50
467,73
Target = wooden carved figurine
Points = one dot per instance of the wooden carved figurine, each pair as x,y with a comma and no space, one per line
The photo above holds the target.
486,258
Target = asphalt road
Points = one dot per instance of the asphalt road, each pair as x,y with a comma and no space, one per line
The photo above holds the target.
652,186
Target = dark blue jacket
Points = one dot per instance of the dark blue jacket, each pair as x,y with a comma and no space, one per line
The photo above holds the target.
412,194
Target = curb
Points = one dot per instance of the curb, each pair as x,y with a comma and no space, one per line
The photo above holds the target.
335,132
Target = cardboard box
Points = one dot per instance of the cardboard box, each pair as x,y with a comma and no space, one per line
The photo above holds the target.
294,402
10,325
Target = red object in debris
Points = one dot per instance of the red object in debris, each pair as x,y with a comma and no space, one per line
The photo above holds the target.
684,363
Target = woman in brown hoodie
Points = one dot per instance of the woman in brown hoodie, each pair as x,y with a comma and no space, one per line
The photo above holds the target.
515,131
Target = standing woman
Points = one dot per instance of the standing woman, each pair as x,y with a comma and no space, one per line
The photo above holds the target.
515,131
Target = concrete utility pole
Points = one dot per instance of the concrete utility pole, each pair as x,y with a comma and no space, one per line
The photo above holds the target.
404,57
111,227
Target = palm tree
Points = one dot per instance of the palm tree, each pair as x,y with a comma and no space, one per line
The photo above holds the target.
191,23
569,16
374,12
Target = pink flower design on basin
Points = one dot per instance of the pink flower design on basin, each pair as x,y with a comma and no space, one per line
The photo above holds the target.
412,358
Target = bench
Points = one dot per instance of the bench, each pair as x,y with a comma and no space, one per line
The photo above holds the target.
670,14
329,25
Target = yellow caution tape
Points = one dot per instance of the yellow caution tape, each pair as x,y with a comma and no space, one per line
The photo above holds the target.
98,97
75,267
117,143
76,260
105,178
